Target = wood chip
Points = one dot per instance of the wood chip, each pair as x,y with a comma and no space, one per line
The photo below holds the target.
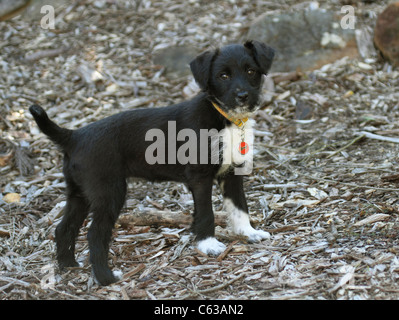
324,181
50,53
137,269
372,219
226,251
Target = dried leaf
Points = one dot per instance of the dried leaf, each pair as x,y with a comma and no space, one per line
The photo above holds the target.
12,198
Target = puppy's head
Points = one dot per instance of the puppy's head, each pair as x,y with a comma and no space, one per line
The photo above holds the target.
233,75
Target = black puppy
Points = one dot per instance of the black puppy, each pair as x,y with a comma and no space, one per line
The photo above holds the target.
99,157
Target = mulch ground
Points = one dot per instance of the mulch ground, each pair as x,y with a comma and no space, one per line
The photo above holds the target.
325,181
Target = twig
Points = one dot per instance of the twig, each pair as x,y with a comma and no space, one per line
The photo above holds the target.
392,177
221,286
66,294
279,147
310,155
278,186
163,218
346,146
378,137
129,274
350,184
12,281
225,252
205,291
49,53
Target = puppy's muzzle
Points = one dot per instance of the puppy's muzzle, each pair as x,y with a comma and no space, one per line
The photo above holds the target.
242,97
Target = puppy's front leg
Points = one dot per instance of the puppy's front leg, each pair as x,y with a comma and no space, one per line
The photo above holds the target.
236,207
204,220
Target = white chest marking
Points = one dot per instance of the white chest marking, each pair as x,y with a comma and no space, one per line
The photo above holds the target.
231,138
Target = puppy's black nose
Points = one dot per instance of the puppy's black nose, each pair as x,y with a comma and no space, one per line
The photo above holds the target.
242,96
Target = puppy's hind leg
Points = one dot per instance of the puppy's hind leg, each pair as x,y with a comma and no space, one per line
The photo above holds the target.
107,203
76,211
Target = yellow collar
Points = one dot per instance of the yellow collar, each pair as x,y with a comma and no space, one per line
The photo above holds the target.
238,122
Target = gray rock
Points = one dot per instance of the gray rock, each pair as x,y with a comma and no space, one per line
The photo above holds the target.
175,60
33,12
305,40
11,8
28,9
386,33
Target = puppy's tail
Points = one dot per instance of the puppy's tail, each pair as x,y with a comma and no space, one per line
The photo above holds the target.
57,134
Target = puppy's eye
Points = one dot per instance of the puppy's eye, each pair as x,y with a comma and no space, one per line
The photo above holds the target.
250,71
224,76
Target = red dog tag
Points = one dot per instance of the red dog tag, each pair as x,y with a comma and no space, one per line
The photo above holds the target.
244,148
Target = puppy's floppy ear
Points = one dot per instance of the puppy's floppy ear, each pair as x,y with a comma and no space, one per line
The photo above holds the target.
201,68
262,54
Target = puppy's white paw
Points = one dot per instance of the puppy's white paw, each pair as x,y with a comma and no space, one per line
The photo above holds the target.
211,246
256,235
117,274
240,224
